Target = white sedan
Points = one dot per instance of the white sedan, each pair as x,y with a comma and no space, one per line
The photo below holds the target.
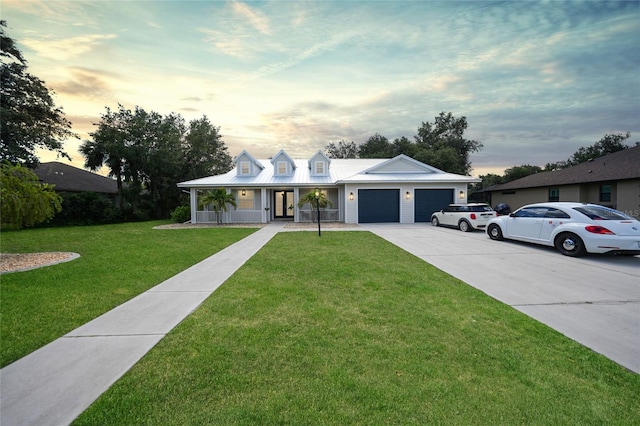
575,229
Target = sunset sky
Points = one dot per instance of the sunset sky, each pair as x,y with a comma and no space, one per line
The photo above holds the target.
536,80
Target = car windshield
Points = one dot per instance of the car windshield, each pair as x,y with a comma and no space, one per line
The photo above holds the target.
601,213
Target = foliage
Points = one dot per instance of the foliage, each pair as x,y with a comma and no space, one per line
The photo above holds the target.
25,201
377,146
343,149
609,144
116,263
85,208
181,214
151,153
218,199
352,330
29,118
441,145
311,198
518,172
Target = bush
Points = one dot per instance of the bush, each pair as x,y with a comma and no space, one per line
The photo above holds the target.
181,214
86,208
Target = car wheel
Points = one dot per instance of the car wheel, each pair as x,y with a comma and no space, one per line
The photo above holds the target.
570,245
495,233
464,226
435,221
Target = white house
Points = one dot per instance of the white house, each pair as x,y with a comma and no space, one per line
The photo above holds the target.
398,189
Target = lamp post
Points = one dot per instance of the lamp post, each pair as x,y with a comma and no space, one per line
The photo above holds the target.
317,194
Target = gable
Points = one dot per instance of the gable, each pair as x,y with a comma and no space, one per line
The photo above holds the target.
246,165
402,164
319,164
283,165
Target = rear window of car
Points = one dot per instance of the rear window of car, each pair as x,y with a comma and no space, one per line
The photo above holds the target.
481,209
601,213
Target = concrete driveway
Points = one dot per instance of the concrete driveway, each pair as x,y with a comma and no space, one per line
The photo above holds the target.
594,300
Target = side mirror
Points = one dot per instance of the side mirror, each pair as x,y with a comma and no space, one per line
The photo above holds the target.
512,215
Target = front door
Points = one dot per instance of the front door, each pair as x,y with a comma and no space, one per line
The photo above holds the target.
282,201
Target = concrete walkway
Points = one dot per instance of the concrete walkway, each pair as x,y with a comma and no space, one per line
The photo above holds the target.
57,382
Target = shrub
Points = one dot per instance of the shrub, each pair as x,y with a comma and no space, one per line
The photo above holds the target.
181,214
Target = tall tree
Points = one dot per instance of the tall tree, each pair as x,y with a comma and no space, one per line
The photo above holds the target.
377,146
29,118
343,149
442,144
204,151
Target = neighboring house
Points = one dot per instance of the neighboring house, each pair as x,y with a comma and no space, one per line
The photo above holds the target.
67,178
399,189
612,180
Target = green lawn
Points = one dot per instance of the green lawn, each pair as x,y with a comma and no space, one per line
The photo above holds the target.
349,329
117,263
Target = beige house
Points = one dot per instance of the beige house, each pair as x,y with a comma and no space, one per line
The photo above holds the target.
612,181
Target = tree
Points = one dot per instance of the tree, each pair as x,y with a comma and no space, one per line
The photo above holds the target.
204,151
377,146
310,198
609,144
25,201
442,144
344,149
218,198
518,172
29,118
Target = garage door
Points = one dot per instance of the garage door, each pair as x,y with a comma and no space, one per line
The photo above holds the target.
429,201
378,205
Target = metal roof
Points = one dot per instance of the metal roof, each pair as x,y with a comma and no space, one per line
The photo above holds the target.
340,171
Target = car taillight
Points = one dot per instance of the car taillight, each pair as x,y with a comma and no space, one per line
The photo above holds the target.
598,230
473,216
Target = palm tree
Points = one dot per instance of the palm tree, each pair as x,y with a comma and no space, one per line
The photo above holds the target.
314,200
218,198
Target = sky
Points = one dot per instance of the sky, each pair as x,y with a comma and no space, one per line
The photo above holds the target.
535,80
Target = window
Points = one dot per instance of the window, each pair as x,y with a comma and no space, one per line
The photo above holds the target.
246,201
601,213
554,194
319,168
531,212
605,193
556,214
282,167
245,168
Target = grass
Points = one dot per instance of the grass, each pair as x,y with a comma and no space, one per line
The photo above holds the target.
349,329
117,263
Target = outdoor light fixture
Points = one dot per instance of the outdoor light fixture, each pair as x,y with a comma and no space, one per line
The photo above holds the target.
461,195
317,195
351,196
244,192
408,195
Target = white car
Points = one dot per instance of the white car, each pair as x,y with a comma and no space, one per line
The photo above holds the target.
465,217
575,229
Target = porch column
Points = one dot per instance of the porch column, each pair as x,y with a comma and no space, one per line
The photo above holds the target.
264,203
193,198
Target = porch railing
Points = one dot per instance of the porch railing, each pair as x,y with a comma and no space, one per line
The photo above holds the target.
326,215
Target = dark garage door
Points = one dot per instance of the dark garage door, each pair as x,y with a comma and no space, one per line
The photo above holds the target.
378,205
431,200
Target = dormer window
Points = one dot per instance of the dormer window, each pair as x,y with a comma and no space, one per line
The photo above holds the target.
282,168
319,168
245,168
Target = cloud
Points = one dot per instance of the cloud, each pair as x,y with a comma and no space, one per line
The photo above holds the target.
65,48
256,19
86,83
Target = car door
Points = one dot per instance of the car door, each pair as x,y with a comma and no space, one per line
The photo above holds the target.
552,219
448,215
526,223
